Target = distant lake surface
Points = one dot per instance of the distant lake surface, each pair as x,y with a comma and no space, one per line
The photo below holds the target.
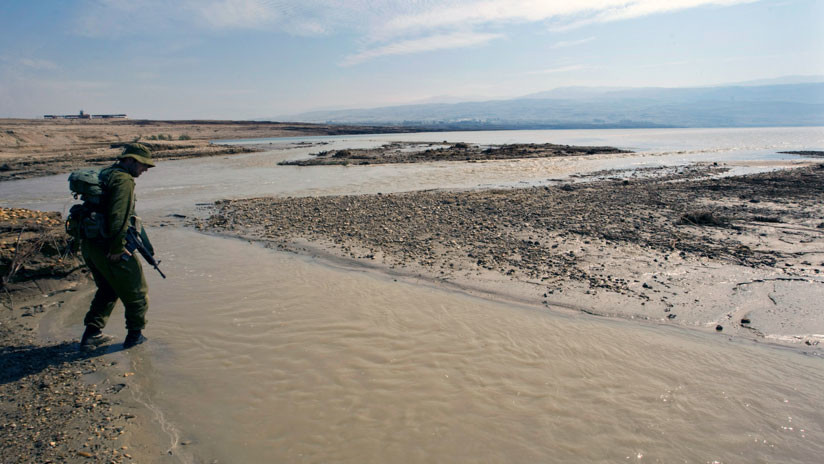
748,140
178,185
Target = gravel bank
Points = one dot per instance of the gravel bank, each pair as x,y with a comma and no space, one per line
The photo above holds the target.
636,248
49,411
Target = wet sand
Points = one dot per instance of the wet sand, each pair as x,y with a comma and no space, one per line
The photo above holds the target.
739,255
58,404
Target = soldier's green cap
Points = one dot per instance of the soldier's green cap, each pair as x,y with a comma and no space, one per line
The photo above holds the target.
139,152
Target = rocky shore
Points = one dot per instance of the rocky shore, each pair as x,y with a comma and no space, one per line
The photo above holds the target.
741,255
411,152
35,255
49,410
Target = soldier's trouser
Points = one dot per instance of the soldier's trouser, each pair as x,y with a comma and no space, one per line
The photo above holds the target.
121,280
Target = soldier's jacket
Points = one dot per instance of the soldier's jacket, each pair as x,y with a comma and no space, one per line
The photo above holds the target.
118,206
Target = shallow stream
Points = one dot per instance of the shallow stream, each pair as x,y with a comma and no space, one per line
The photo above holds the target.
261,356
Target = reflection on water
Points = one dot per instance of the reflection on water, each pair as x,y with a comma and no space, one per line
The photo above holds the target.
259,356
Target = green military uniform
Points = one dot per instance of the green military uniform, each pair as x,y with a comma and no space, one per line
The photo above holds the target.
123,279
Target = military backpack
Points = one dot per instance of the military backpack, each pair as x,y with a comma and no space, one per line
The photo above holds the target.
86,220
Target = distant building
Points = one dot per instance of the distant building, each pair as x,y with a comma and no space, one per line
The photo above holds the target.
83,115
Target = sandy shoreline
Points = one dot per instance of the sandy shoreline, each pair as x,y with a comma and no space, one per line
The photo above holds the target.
739,255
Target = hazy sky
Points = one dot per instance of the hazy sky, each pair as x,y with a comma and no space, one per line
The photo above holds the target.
237,59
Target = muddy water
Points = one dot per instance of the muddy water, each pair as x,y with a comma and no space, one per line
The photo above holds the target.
260,356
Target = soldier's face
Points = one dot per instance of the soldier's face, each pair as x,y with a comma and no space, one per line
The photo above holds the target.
139,168
135,167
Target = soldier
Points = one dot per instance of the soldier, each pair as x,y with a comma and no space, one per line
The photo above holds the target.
117,274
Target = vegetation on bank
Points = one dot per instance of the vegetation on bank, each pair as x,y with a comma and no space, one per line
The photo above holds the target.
33,245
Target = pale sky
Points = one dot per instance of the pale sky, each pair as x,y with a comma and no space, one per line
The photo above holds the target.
242,59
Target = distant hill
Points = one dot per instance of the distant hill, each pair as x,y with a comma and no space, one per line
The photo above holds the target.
741,105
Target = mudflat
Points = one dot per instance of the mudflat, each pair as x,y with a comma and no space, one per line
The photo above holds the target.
739,255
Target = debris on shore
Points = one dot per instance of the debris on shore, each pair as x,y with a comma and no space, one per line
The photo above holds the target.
33,245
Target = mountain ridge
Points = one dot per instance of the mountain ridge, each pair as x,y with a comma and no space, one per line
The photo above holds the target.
735,105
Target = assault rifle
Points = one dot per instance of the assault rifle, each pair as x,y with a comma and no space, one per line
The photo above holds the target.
134,242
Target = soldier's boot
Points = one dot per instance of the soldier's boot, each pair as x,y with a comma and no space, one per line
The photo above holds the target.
93,337
134,337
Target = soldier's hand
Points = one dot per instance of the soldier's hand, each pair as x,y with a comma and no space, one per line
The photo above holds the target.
116,257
